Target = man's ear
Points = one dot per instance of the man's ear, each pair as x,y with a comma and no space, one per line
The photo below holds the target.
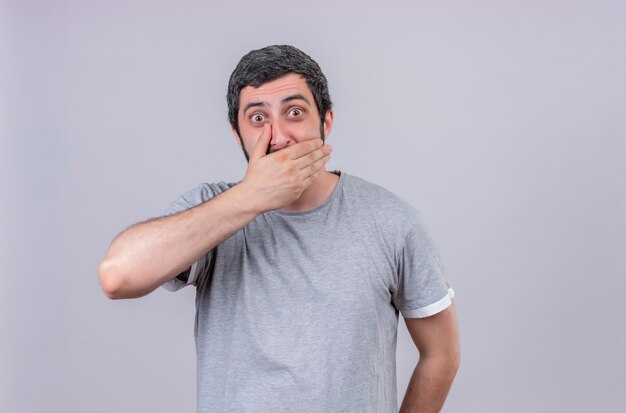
328,122
236,134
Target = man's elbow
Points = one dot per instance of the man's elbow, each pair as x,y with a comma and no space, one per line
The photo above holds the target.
450,360
116,284
111,281
446,364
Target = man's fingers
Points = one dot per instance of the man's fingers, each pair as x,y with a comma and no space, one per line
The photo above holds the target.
303,148
262,143
315,168
308,159
314,175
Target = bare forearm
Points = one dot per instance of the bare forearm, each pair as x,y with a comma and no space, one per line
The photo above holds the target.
150,253
429,385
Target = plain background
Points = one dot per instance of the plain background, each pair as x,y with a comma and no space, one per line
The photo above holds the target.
503,122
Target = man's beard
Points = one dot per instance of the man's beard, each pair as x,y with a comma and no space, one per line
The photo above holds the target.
245,153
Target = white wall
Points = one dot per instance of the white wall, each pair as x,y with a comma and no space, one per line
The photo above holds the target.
502,121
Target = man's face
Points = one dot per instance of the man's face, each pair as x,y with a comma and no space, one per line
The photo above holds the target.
287,104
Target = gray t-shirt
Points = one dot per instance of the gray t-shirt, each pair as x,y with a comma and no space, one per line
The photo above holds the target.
298,311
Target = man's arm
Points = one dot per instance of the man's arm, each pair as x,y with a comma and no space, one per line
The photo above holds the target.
150,253
437,339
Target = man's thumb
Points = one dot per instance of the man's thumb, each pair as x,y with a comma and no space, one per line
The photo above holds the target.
262,143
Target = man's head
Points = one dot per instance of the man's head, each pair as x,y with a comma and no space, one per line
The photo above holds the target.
283,86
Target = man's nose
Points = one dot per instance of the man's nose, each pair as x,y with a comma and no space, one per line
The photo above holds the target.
280,138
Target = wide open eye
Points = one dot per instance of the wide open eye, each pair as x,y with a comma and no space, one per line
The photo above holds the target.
257,118
296,112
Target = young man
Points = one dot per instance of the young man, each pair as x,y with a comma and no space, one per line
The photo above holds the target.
300,273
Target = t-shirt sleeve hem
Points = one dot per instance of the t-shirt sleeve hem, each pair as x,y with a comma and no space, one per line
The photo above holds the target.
430,309
176,283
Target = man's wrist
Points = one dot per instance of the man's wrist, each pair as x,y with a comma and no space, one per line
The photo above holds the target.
242,199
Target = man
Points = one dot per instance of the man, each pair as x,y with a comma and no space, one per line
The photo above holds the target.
300,273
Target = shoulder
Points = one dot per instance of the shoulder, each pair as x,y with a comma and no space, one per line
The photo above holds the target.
382,206
378,199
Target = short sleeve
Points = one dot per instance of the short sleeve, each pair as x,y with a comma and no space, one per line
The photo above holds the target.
194,197
189,277
422,289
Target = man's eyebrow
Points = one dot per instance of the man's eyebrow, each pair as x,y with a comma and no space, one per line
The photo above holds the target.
295,97
285,100
252,105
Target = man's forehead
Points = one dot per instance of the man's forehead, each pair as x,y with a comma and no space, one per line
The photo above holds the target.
275,89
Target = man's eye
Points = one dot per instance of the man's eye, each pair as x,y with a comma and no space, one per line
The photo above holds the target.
257,117
296,112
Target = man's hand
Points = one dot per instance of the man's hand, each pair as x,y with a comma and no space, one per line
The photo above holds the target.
278,179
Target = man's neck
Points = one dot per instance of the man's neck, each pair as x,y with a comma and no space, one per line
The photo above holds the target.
315,195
